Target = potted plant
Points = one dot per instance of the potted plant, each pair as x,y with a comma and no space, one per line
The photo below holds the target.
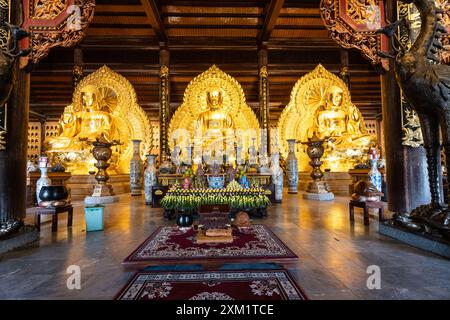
94,217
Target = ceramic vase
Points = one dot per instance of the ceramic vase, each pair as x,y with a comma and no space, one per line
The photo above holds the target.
292,167
374,175
277,177
44,180
150,179
243,181
136,169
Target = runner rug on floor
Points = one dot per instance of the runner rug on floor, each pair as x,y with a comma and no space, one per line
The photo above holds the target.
170,245
212,285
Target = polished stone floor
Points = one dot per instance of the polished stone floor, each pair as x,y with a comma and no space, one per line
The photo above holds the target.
334,255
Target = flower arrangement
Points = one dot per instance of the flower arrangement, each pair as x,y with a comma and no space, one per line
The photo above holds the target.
240,173
236,198
189,173
234,185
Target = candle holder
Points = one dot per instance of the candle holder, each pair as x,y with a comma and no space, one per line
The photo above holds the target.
317,189
102,153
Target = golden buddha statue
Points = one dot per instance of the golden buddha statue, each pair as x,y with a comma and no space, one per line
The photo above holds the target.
69,128
214,122
214,119
88,124
213,113
330,119
321,102
95,123
344,126
104,106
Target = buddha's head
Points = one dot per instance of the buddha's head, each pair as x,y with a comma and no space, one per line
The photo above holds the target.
89,98
214,99
335,97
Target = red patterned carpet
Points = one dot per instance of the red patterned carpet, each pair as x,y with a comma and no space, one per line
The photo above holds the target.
170,245
212,285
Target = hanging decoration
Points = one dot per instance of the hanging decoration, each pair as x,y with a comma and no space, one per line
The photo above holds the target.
353,24
54,23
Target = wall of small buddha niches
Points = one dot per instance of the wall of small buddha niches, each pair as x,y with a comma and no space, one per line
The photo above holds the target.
34,141
37,133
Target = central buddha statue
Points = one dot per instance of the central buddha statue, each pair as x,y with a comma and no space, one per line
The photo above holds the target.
214,121
213,112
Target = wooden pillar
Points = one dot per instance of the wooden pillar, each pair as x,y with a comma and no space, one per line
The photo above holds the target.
78,70
406,169
13,159
164,101
344,72
264,95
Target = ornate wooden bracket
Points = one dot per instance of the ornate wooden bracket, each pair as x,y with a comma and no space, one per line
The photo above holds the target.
353,24
445,54
54,23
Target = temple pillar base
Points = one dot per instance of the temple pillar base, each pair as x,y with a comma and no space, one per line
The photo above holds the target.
100,200
337,182
81,186
318,196
422,241
103,190
24,237
317,187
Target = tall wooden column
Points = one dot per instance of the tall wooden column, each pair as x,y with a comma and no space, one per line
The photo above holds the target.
164,102
78,69
264,95
13,159
406,169
344,72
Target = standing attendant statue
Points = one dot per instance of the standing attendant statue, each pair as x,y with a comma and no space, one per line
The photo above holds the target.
176,157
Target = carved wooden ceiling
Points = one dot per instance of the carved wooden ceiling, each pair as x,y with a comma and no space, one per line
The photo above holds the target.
126,35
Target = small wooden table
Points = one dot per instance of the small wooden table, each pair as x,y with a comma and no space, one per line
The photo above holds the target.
54,212
365,206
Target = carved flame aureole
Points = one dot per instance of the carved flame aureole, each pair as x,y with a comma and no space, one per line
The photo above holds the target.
116,95
194,103
308,93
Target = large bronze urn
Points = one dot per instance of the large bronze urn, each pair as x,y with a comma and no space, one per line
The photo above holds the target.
317,189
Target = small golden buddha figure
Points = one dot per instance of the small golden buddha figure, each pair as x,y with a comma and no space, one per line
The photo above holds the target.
330,119
95,123
70,126
356,129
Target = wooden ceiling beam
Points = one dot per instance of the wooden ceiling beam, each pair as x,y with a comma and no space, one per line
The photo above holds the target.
151,10
273,11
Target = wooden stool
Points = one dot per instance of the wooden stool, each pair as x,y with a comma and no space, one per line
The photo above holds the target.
365,206
54,212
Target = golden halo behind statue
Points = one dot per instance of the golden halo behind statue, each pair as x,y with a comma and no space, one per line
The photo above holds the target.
115,99
309,93
195,103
